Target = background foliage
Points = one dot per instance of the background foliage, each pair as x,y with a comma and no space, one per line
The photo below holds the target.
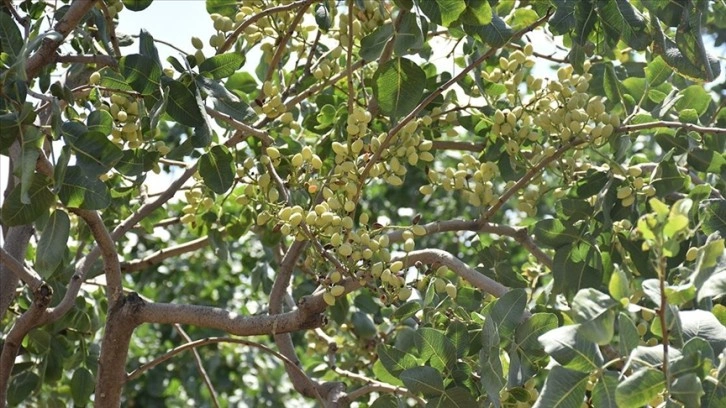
446,227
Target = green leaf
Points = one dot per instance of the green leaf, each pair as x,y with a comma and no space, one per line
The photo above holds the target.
477,12
492,374
687,389
322,16
423,380
640,388
407,310
398,86
667,178
508,310
372,44
80,191
382,374
217,169
135,162
521,18
611,84
408,36
713,216
22,385
628,334
706,160
576,266
394,360
223,65
450,10
603,394
363,325
433,346
53,243
100,121
564,18
694,97
657,71
568,347
458,333
32,143
553,233
243,82
14,212
563,388
226,8
147,46
113,80
82,385
95,154
703,324
528,332
182,105
495,34
141,73
622,18
590,303
11,41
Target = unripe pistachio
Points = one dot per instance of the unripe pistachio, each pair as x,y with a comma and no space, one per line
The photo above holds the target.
337,290
197,43
329,298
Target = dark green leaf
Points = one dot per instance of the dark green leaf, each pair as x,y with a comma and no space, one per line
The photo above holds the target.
553,233
423,380
628,334
450,10
508,310
703,324
53,243
398,86
621,17
495,34
11,41
100,121
657,71
564,18
182,105
713,216
141,73
408,36
113,80
217,169
224,101
477,12
22,385
667,178
80,191
372,44
242,82
223,65
14,212
95,154
82,384
458,333
528,332
457,397
147,47
322,16
563,388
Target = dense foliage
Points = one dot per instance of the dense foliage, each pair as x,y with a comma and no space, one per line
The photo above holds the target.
379,202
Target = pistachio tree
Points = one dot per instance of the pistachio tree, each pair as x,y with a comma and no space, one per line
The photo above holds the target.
495,203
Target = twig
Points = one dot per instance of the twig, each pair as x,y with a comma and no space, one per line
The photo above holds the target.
200,367
243,128
162,254
674,125
282,46
349,59
375,386
518,234
111,29
213,340
237,32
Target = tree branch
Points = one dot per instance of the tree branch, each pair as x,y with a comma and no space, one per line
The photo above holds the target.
438,256
101,60
111,264
46,53
27,275
673,125
375,386
457,145
164,253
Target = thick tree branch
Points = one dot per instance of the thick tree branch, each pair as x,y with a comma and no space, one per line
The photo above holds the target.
104,241
22,326
228,321
16,243
46,53
100,60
